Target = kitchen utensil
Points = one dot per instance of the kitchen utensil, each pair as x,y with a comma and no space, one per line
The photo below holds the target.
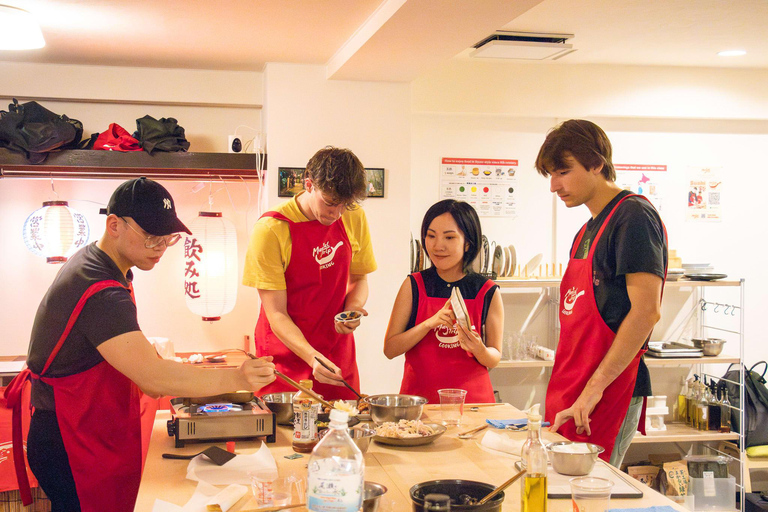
348,316
276,508
395,407
575,459
456,490
349,387
710,346
238,397
704,276
469,434
413,441
372,493
486,255
362,437
282,405
498,261
531,266
501,488
218,456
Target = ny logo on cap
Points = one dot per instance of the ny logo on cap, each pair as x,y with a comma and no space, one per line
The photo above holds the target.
167,203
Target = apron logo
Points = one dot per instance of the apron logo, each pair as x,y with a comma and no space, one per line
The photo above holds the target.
570,300
324,254
448,337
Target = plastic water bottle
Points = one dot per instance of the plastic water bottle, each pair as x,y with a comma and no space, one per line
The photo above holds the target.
336,470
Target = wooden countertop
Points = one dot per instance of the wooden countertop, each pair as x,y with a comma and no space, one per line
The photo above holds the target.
397,468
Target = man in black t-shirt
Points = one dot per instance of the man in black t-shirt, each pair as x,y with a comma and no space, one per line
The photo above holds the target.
88,359
618,260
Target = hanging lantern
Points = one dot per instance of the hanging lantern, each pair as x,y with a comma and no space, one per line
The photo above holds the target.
210,273
55,231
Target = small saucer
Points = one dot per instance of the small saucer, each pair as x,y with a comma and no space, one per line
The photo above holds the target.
348,316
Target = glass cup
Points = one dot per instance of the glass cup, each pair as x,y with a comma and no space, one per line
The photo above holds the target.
452,405
590,494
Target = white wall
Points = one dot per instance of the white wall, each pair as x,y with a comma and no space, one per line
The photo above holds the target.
305,112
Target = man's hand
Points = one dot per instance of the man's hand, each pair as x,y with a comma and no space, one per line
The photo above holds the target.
258,372
579,411
349,326
321,374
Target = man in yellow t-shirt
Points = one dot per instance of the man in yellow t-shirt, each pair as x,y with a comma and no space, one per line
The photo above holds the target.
309,259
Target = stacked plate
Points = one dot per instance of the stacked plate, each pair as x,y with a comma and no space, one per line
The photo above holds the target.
701,272
673,274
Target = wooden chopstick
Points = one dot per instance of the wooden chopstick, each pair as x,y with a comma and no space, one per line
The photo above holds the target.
274,509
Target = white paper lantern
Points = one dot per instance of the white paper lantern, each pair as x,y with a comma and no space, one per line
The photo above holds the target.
55,231
210,266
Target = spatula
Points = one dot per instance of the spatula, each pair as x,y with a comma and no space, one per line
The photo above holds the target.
218,455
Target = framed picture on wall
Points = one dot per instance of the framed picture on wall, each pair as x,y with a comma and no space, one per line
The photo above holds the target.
289,181
375,182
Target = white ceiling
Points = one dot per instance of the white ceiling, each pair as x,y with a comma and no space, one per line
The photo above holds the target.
392,40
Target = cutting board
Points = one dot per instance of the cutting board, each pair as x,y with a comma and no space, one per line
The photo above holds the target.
559,487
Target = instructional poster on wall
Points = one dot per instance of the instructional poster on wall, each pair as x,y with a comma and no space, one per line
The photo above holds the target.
643,179
704,195
489,185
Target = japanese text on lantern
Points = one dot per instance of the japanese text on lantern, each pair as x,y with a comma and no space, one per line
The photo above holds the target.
191,254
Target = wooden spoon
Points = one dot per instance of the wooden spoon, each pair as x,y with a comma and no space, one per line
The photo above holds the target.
500,488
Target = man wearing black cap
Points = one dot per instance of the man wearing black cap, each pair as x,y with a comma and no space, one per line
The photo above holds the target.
89,362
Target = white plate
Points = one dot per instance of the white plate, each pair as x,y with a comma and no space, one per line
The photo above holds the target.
348,316
533,265
498,261
512,260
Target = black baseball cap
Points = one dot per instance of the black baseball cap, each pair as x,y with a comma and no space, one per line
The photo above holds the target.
149,204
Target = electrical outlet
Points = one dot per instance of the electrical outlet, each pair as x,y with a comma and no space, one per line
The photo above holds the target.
234,144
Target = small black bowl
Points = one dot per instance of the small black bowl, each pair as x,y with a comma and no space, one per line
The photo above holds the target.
453,489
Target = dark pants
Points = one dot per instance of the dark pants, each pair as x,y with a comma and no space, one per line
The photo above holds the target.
49,462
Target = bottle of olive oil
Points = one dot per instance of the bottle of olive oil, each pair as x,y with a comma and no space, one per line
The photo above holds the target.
533,491
682,400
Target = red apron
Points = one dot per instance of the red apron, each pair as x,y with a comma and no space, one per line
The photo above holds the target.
98,413
316,284
584,341
438,362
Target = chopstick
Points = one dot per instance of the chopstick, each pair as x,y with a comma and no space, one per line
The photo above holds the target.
500,488
274,509
467,434
324,365
294,384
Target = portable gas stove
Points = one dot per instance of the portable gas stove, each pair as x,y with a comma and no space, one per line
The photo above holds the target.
219,421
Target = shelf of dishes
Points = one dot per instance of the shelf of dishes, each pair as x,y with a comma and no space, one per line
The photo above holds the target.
650,361
681,433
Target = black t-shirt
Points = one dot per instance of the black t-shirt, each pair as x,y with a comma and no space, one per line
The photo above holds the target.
436,287
633,241
106,314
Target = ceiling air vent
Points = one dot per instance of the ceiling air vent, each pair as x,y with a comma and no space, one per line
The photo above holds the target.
523,45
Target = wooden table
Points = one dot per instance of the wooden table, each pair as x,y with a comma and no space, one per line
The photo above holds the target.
397,468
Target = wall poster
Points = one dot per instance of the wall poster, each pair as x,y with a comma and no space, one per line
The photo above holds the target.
488,184
643,179
704,201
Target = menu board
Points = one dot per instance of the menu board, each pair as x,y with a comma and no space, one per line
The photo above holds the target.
489,185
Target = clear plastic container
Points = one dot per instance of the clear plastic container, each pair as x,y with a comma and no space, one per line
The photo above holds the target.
714,493
336,470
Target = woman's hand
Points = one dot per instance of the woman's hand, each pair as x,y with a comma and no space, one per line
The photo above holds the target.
443,317
469,340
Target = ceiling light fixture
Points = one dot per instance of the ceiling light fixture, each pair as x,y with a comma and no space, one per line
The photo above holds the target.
732,53
19,30
523,45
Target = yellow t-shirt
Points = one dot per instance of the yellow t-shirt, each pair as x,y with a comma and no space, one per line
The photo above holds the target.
269,250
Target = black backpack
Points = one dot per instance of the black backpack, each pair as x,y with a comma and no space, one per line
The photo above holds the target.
163,135
34,130
756,408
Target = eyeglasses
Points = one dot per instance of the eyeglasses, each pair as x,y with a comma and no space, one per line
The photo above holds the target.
152,241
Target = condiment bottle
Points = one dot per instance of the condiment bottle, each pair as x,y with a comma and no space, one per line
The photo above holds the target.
437,503
690,406
682,400
533,456
725,412
336,470
713,409
702,406
305,411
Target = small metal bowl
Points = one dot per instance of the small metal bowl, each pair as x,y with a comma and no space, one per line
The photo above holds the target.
575,464
282,405
712,346
362,437
372,493
395,407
